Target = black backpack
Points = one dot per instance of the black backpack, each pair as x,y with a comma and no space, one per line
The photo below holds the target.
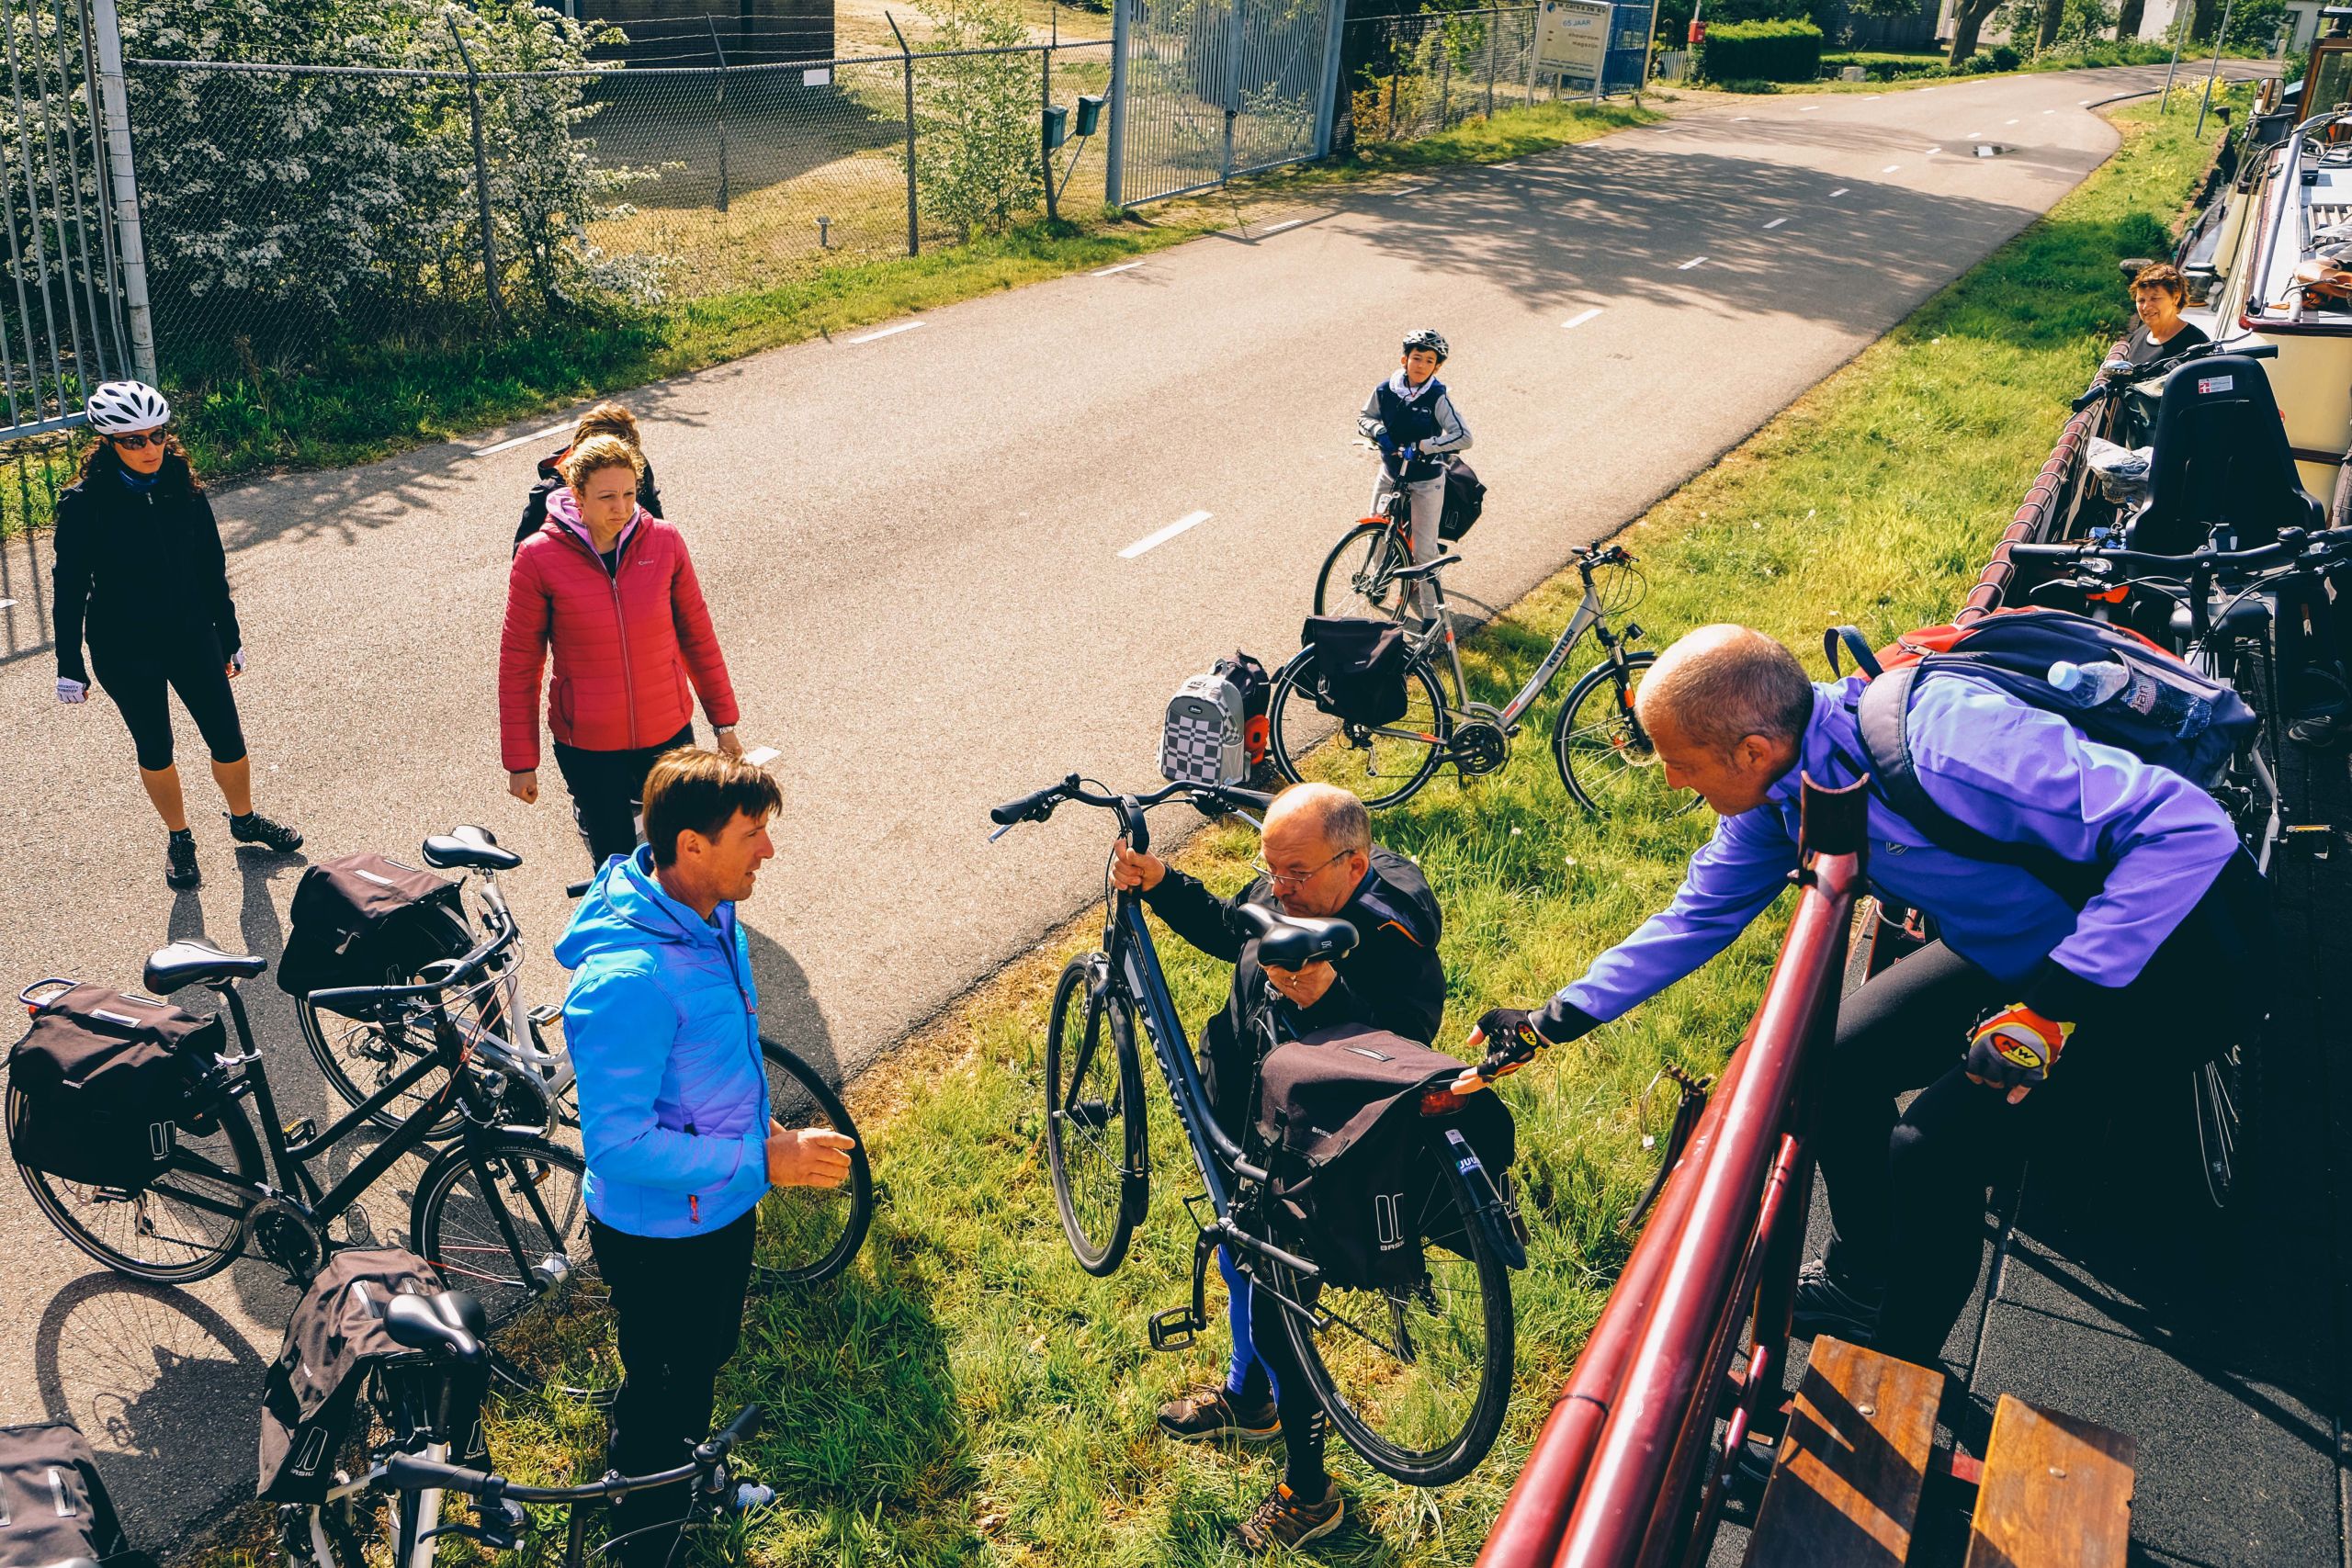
1358,667
366,920
1256,686
107,1081
1465,500
1356,1166
53,1507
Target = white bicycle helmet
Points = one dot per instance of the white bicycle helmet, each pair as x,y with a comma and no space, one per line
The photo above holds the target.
1426,337
116,407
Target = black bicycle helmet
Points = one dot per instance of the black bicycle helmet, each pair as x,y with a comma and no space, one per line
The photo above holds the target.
1428,338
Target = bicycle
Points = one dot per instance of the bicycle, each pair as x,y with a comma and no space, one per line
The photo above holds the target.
501,1209
1603,755
1367,559
807,1234
1414,1377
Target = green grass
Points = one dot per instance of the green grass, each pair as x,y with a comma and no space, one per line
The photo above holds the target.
965,1394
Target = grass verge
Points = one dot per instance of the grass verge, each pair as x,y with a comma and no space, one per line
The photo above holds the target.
965,1394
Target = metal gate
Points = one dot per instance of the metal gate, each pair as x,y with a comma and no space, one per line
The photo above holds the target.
1203,90
63,327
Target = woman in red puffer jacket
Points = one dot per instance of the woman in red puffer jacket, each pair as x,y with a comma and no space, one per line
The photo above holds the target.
611,589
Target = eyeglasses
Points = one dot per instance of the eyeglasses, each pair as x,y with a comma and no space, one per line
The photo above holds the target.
139,442
1284,879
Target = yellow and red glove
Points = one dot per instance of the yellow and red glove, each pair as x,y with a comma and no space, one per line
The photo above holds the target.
2016,1048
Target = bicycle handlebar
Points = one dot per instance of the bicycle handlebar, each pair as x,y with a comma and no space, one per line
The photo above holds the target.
411,1474
1039,805
2107,387
2292,546
464,972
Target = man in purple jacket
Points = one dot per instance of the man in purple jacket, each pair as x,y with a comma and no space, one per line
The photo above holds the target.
2158,964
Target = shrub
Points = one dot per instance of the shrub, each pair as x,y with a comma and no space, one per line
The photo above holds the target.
1766,52
2004,58
976,120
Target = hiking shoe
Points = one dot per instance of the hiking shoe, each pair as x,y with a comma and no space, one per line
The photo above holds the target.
1285,1519
179,862
1830,1304
1205,1415
252,827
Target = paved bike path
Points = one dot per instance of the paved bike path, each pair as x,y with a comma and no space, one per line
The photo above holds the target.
919,547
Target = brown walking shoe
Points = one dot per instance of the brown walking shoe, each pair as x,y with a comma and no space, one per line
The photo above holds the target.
1283,1520
1205,1415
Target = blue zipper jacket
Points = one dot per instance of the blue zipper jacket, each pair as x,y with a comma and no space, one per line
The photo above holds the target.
664,1023
2018,773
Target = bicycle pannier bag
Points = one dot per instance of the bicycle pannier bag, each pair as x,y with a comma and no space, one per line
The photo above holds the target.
1203,740
1465,500
334,1338
53,1507
1257,687
109,1082
1361,1181
366,920
1359,668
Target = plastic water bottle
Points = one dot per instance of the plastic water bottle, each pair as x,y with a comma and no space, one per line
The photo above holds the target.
2111,681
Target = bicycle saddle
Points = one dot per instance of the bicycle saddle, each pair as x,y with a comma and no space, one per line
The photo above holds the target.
437,1323
1427,569
194,961
1293,942
469,849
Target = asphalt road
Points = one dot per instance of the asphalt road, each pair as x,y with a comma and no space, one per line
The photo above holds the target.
917,546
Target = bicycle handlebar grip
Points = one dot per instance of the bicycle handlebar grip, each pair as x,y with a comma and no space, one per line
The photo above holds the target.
746,1422
413,1475
2044,552
1028,805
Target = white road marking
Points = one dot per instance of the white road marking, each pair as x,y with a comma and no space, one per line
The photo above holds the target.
1581,317
516,441
1808,108
761,756
2009,123
1873,97
1931,151
1890,168
1839,191
2080,102
1278,228
1686,266
1122,267
1153,541
1776,223
2049,111
1737,118
890,331
1976,136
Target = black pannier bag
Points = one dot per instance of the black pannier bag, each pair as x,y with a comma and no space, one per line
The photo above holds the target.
53,1507
1358,667
108,1082
1360,1182
334,1338
365,920
1465,500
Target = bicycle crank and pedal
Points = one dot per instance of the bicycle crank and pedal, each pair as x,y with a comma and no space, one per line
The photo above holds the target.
1480,746
1175,1328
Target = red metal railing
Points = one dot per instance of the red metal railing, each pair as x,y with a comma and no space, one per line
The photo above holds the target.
1611,1479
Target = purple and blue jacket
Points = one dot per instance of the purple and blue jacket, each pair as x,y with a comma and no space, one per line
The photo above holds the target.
2018,773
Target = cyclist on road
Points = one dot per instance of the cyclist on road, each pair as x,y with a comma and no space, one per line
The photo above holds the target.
663,1022
140,572
605,419
2156,950
1316,859
611,592
1411,418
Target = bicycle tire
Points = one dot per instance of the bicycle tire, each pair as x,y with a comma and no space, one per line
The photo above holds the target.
549,1312
1352,597
198,1181
1397,1392
1603,756
1348,758
350,1051
796,1223
1128,1189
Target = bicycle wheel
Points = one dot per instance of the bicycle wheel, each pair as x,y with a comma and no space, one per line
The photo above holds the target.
187,1226
1414,1377
808,1233
1095,1136
360,1055
1603,755
1379,764
1355,576
505,1218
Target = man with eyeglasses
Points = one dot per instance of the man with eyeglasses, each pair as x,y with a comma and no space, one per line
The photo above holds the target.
1317,858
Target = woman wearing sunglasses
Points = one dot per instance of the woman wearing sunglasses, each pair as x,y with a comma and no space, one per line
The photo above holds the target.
140,573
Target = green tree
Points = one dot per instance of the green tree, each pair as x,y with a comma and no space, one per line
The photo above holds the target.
976,117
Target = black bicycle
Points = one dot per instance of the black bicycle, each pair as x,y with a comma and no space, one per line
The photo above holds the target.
1414,1376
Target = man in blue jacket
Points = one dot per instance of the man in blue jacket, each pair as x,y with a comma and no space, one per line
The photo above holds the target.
664,1023
2159,965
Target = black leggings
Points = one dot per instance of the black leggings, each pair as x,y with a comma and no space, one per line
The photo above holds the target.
193,666
608,791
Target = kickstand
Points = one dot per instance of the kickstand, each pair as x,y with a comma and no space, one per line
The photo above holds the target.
1686,1119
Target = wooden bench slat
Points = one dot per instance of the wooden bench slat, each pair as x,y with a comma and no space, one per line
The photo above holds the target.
1845,1490
2057,1493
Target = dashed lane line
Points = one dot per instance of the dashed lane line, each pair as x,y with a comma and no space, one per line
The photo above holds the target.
1686,266
888,332
1581,317
1153,541
1122,267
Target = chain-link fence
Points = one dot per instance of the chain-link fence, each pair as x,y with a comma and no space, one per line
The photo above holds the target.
1414,75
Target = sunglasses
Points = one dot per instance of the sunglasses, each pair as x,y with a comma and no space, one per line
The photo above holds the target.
141,442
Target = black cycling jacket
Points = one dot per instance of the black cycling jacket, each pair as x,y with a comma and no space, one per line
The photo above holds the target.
138,569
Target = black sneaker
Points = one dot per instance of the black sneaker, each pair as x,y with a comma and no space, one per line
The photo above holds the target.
1829,1304
1285,1519
1205,1415
252,827
179,862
